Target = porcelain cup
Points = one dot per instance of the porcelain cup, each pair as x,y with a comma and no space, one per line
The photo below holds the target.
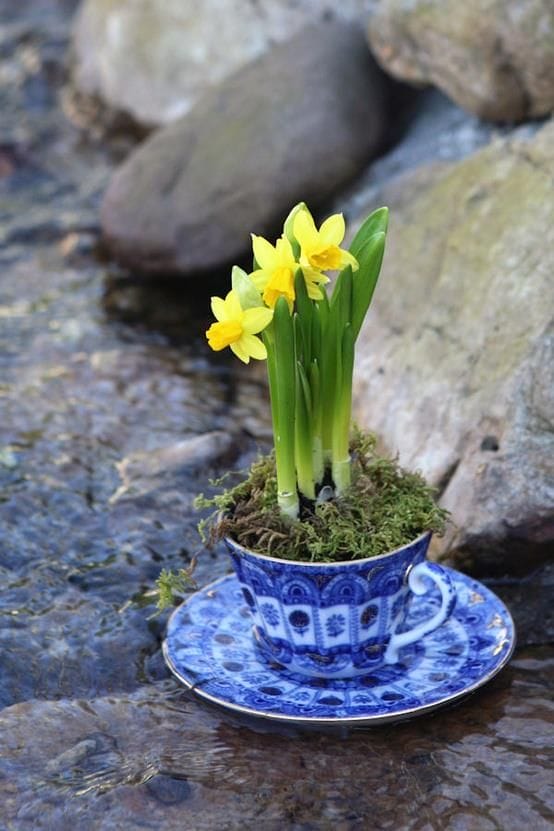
339,620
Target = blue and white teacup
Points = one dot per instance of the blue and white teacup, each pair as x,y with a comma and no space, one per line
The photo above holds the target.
339,620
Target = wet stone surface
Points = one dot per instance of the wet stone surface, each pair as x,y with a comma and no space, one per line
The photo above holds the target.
109,427
155,757
113,416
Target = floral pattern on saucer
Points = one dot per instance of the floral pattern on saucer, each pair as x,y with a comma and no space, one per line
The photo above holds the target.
210,648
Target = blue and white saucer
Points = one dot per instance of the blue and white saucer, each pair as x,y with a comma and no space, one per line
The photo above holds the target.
210,648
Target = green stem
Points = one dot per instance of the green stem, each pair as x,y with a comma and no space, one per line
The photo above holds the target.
341,433
328,371
317,421
285,385
268,336
341,475
303,435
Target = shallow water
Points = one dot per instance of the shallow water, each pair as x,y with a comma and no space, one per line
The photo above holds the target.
113,416
157,757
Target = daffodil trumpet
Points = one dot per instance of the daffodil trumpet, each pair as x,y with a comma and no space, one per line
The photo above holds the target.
283,311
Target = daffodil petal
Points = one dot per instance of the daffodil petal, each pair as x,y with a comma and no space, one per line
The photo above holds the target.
223,334
264,252
253,347
314,291
332,230
348,259
219,308
288,227
254,320
244,288
284,256
314,280
233,309
312,275
240,351
260,278
304,229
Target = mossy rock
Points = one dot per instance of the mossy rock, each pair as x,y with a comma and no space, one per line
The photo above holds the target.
455,363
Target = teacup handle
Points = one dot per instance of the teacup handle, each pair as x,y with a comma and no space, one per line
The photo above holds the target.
441,579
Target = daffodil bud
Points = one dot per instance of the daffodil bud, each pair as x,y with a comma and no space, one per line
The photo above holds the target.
243,286
288,227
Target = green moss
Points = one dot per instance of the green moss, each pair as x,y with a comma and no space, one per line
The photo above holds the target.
172,585
385,507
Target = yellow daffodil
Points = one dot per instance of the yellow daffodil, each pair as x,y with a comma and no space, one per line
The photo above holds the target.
314,280
237,327
277,267
321,249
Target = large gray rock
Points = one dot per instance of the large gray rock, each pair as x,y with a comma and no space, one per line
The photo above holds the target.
456,361
495,59
153,59
297,124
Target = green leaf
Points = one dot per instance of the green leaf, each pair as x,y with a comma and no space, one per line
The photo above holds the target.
315,350
303,303
268,338
328,378
248,294
347,350
300,340
303,434
341,301
284,350
285,383
323,308
341,431
314,380
369,258
305,387
317,444
377,222
304,309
